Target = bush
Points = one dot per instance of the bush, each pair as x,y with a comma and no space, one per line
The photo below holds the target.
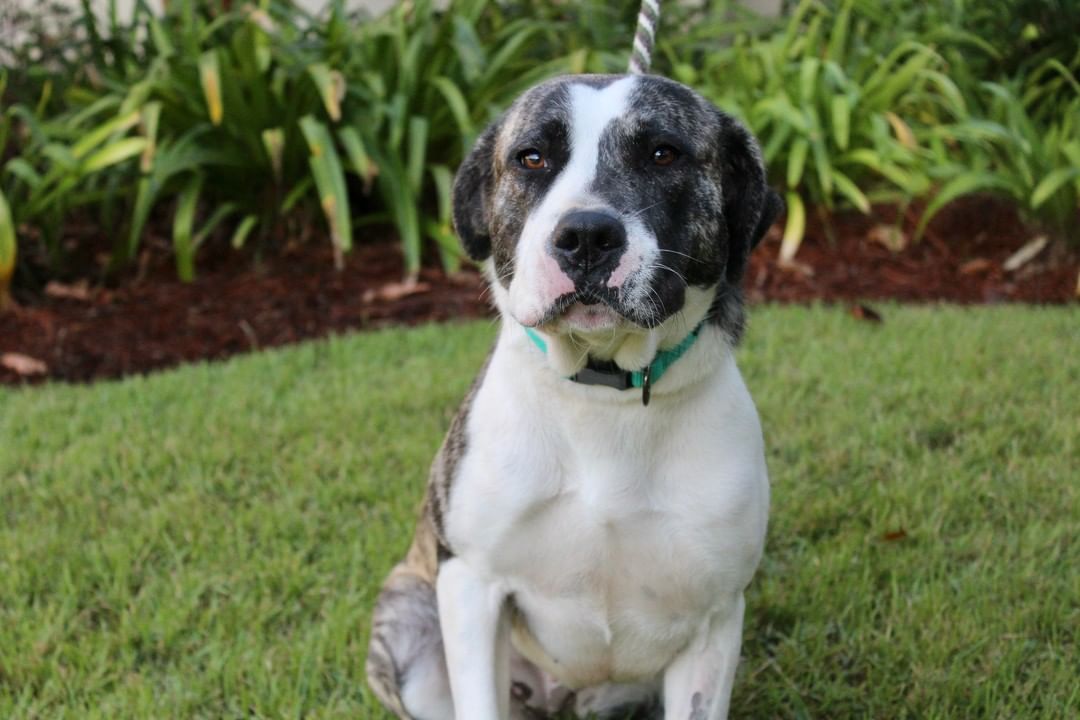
856,102
259,117
833,113
1003,148
7,252
1012,128
249,125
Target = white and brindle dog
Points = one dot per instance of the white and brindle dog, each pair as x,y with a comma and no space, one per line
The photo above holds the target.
599,504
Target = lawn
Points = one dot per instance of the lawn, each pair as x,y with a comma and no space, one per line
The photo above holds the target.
208,542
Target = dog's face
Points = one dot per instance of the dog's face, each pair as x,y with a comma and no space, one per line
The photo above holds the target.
602,202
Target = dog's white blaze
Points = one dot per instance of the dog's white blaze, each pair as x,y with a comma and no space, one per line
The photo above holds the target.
538,280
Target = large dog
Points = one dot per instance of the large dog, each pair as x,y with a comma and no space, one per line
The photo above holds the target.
600,501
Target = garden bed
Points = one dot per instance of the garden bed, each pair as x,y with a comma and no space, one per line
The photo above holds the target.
77,331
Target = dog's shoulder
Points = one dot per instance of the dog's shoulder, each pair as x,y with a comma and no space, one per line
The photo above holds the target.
430,546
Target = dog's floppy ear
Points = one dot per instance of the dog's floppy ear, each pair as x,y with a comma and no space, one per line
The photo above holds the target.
473,185
750,205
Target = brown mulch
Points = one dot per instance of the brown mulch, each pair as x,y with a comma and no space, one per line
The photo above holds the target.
960,259
77,331
232,307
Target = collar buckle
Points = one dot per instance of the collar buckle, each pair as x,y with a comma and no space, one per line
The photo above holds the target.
623,380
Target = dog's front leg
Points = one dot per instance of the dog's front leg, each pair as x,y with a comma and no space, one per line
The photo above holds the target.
476,635
697,684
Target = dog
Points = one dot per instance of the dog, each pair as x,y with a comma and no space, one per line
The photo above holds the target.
600,501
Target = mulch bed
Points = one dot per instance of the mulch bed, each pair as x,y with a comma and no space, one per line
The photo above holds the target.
79,332
960,259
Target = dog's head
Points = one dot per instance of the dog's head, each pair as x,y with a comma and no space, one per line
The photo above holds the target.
609,207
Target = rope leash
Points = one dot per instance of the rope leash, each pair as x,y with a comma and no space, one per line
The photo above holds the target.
645,37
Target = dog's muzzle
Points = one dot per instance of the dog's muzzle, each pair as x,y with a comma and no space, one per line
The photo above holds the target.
587,246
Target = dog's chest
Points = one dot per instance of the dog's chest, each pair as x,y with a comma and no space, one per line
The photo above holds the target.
617,530
606,588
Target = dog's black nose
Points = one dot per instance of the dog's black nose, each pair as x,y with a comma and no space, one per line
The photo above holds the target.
588,245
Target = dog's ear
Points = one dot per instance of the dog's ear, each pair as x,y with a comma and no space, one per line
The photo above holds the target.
473,185
750,205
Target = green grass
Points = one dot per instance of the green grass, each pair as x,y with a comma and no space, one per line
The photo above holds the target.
208,542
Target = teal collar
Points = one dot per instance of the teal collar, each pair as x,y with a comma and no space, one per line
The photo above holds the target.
611,375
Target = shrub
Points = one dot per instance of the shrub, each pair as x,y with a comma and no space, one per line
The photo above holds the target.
1002,148
252,123
7,252
259,117
834,113
856,102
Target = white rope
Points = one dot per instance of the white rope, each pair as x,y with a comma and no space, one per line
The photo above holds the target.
645,37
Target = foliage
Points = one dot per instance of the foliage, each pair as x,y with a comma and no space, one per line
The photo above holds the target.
833,115
158,561
254,115
989,39
1012,127
423,86
1005,150
250,124
8,252
852,108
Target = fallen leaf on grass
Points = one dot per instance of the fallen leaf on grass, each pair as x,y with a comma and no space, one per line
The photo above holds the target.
395,291
1025,254
867,313
894,535
77,291
23,365
978,265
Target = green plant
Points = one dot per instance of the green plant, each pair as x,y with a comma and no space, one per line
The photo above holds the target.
252,124
423,85
1001,148
8,251
1020,36
8,244
147,127
834,114
261,118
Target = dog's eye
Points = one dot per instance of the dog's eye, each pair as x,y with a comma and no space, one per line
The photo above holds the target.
664,155
532,160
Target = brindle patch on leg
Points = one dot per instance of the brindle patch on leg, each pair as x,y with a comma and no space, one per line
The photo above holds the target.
406,668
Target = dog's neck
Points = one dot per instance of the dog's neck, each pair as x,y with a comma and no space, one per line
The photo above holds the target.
606,373
671,344
631,349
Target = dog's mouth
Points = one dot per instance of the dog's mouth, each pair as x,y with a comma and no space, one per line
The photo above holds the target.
593,317
593,309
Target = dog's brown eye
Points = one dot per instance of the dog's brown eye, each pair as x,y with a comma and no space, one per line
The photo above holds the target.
532,160
664,155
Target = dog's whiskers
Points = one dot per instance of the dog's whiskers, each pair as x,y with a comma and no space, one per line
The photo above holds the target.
657,307
673,271
644,209
488,287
